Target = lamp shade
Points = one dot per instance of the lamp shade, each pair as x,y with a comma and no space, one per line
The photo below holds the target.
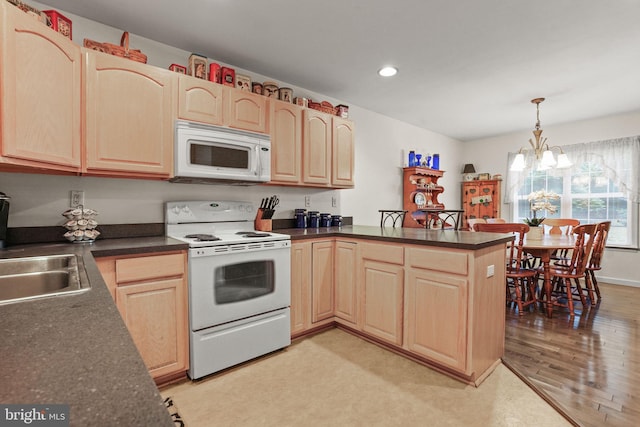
468,168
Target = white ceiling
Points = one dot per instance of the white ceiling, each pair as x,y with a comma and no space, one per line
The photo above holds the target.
468,68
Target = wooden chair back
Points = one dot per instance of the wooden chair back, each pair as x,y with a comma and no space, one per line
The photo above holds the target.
496,220
585,236
473,221
599,242
560,225
514,251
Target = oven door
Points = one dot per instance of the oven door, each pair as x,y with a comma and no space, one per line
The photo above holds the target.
233,282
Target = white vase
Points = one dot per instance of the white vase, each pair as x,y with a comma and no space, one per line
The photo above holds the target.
535,233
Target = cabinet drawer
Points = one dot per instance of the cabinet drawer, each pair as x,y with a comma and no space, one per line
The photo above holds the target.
151,267
438,260
391,254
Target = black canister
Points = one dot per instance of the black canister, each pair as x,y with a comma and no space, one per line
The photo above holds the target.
301,218
325,220
336,220
4,218
314,219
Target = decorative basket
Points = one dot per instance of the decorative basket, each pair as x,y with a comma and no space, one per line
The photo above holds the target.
323,106
122,51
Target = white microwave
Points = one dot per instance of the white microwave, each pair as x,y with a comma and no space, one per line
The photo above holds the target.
214,154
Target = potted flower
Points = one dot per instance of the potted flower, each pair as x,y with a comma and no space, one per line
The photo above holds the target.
540,201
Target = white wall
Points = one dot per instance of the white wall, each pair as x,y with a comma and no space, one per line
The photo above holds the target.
39,200
490,155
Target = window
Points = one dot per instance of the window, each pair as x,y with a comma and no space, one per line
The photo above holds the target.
602,185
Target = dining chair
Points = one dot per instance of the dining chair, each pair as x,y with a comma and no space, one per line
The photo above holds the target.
559,226
395,217
599,243
496,220
472,221
573,269
522,280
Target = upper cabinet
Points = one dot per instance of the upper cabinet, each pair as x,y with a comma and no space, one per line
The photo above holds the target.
41,120
286,143
246,110
316,148
200,100
343,153
130,114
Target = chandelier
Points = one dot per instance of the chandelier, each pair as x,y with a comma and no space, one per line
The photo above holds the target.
542,150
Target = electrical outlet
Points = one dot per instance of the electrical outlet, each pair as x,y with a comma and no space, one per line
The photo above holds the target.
77,198
307,201
334,201
490,270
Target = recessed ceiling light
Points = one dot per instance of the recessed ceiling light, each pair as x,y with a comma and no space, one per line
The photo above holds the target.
388,71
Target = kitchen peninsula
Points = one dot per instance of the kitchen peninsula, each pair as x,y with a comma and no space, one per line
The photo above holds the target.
435,296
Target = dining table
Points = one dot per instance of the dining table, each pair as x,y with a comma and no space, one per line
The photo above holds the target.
543,247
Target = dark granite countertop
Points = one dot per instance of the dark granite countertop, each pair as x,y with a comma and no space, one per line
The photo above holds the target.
416,236
76,349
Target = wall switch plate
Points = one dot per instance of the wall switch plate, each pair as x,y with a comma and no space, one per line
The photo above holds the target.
77,198
334,201
307,201
490,270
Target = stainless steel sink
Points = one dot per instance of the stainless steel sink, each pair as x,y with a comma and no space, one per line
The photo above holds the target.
23,279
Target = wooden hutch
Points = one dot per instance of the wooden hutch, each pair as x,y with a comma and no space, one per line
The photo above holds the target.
420,190
480,199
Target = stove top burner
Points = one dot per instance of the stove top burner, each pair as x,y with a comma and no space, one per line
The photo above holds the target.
202,237
253,234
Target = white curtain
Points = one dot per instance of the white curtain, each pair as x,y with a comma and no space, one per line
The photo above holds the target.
619,157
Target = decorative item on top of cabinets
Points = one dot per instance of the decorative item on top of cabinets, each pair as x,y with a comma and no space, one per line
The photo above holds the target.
420,190
480,199
469,172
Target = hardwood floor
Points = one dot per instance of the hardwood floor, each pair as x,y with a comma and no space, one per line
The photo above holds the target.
589,365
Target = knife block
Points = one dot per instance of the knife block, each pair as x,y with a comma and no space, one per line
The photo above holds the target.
262,224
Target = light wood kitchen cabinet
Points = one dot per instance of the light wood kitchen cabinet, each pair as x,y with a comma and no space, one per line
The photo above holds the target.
382,294
345,284
150,292
130,113
316,148
343,149
480,199
246,110
455,308
322,279
300,287
40,102
286,143
200,100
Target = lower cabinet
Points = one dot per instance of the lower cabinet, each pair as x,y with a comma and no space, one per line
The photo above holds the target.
322,271
345,283
436,304
150,291
382,279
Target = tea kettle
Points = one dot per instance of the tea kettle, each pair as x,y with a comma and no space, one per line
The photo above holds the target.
4,218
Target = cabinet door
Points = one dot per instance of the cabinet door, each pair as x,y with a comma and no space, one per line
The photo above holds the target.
246,110
343,153
300,287
437,317
316,148
322,280
40,90
286,142
481,199
382,295
130,114
155,315
345,281
200,100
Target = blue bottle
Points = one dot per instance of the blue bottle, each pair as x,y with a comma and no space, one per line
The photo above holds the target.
412,158
436,161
